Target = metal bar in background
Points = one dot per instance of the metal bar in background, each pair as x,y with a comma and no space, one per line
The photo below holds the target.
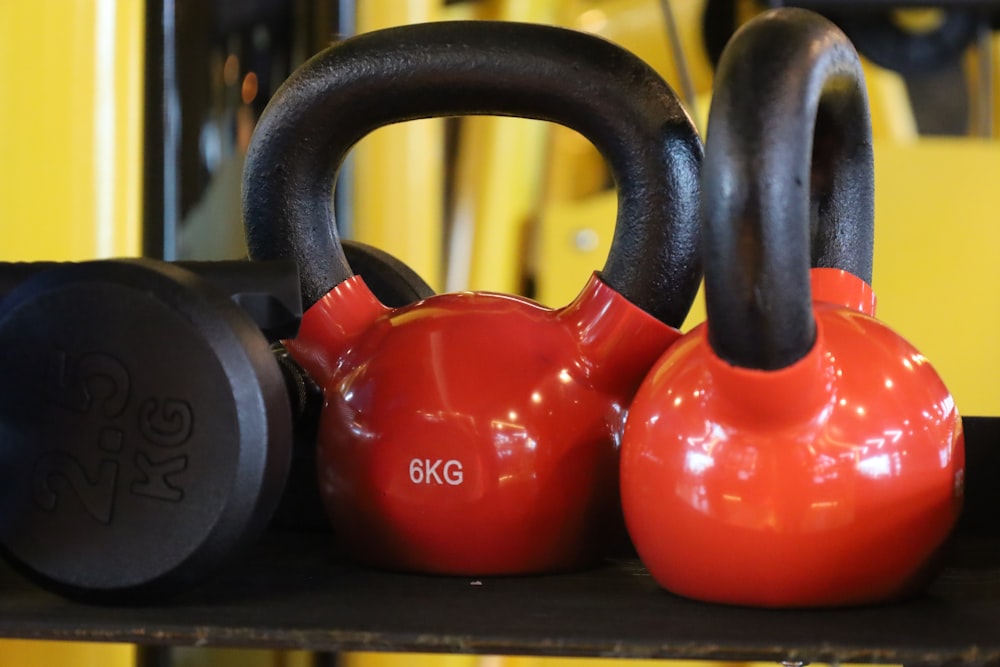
347,25
161,135
984,95
680,59
153,656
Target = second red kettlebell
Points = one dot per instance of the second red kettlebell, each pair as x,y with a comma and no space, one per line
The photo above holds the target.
793,451
477,433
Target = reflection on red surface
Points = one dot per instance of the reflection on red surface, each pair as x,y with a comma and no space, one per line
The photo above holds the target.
475,433
834,481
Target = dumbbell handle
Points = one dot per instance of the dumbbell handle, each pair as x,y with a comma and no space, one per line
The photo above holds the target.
267,291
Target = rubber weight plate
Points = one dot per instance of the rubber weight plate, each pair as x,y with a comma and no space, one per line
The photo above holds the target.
144,428
391,280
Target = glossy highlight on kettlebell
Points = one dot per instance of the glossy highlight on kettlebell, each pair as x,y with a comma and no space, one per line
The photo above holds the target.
477,433
793,451
506,451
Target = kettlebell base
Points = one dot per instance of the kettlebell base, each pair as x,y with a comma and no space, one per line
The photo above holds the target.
781,596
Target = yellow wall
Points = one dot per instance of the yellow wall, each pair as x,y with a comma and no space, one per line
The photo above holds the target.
71,119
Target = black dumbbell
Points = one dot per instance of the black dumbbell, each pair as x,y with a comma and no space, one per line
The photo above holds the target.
146,416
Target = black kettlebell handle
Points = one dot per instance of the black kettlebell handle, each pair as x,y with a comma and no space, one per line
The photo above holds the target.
788,168
482,68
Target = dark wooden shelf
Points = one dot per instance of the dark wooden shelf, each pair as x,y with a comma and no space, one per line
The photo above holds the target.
293,590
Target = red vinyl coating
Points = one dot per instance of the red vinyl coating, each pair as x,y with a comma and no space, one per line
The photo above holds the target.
475,433
834,481
842,288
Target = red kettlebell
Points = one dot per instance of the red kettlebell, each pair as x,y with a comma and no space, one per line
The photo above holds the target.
477,433
793,451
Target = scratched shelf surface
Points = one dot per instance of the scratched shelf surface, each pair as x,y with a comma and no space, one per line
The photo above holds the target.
293,590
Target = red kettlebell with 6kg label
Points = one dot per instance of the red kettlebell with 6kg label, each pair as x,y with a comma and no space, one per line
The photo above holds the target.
477,433
793,451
